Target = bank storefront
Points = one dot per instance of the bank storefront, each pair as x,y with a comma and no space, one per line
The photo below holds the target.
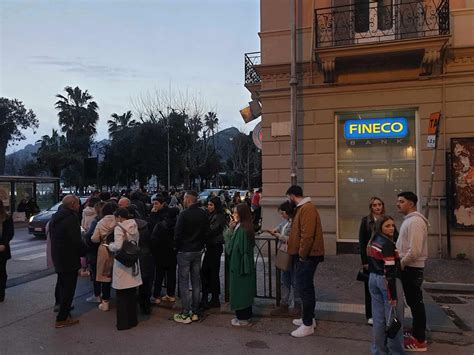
376,156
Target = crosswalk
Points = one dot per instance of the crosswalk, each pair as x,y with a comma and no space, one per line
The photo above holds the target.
26,250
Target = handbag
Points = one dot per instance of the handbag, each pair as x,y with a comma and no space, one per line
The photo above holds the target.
393,323
363,275
129,253
283,260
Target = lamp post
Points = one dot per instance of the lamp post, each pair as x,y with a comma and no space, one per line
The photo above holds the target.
167,126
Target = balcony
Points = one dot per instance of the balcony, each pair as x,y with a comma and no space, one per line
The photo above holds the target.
250,61
369,28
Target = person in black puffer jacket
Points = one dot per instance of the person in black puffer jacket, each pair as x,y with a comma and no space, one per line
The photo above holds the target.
211,264
66,250
164,253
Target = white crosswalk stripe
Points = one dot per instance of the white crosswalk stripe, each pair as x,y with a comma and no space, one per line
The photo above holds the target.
28,250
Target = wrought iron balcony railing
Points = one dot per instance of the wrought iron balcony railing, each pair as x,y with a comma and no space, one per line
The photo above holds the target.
251,60
368,21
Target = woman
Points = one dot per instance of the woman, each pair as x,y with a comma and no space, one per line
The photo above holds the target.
162,241
91,256
6,234
125,279
366,230
102,234
282,233
239,245
385,286
211,265
88,215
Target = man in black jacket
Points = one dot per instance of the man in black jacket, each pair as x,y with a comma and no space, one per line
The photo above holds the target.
66,249
192,229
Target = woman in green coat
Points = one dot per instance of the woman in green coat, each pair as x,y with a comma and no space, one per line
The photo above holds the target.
239,246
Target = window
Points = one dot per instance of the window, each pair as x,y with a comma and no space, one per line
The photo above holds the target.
375,157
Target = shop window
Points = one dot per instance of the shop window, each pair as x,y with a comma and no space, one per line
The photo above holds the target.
376,156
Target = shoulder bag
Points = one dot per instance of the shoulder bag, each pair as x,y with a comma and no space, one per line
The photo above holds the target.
130,251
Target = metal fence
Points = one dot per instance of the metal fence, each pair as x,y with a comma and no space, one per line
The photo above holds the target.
383,20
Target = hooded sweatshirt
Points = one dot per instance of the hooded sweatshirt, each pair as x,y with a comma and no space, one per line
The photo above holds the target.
124,277
412,243
88,214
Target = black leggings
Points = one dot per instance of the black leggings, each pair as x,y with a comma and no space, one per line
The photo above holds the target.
3,279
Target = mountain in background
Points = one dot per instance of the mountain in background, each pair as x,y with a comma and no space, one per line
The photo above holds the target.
15,161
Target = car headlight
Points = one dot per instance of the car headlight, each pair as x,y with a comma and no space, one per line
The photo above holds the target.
31,218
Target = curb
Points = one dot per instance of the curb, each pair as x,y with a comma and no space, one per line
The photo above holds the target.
449,287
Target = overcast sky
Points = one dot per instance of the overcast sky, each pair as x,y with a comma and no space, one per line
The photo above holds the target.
120,50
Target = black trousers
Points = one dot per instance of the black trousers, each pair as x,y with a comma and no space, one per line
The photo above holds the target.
66,287
3,279
368,301
412,279
126,308
147,268
244,314
210,270
170,273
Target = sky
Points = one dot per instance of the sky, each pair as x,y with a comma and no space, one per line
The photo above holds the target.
121,50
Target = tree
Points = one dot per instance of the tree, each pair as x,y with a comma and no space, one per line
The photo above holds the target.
120,122
245,164
78,119
211,122
54,154
14,117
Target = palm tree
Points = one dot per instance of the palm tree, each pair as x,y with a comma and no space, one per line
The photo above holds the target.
211,122
77,114
53,153
120,122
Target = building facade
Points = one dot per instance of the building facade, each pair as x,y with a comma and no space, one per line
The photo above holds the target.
372,77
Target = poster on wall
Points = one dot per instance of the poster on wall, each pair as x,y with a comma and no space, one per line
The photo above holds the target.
462,150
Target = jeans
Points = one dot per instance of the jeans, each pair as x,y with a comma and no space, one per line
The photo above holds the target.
305,286
412,278
368,301
189,264
289,295
67,287
381,344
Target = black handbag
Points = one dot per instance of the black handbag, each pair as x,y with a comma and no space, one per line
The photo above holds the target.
129,253
393,323
363,275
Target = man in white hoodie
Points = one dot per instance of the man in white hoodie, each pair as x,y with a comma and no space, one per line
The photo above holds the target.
412,244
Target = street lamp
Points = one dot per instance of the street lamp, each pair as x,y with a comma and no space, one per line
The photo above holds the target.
167,126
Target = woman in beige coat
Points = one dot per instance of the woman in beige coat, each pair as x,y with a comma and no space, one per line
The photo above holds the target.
105,260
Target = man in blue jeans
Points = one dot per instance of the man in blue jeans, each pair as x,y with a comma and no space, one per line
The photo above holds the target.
191,232
306,244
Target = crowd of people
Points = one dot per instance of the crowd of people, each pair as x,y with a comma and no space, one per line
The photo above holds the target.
179,237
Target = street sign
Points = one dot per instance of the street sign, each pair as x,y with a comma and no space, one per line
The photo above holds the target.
434,122
431,141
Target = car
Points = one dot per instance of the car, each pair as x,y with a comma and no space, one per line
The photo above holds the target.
37,223
204,194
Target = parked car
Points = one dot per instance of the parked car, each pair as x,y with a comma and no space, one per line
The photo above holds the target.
37,223
204,194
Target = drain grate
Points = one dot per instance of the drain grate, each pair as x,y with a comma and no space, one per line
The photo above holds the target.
448,299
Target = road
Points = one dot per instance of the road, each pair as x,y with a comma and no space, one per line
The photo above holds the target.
28,257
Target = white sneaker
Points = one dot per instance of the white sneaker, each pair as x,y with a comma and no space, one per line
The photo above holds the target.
93,299
299,322
239,323
370,321
104,306
302,331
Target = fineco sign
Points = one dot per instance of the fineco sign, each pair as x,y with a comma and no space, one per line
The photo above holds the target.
376,128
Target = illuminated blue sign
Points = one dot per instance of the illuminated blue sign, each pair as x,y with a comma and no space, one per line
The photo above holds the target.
376,128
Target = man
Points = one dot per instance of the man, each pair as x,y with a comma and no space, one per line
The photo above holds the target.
412,244
66,249
305,243
192,229
124,202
